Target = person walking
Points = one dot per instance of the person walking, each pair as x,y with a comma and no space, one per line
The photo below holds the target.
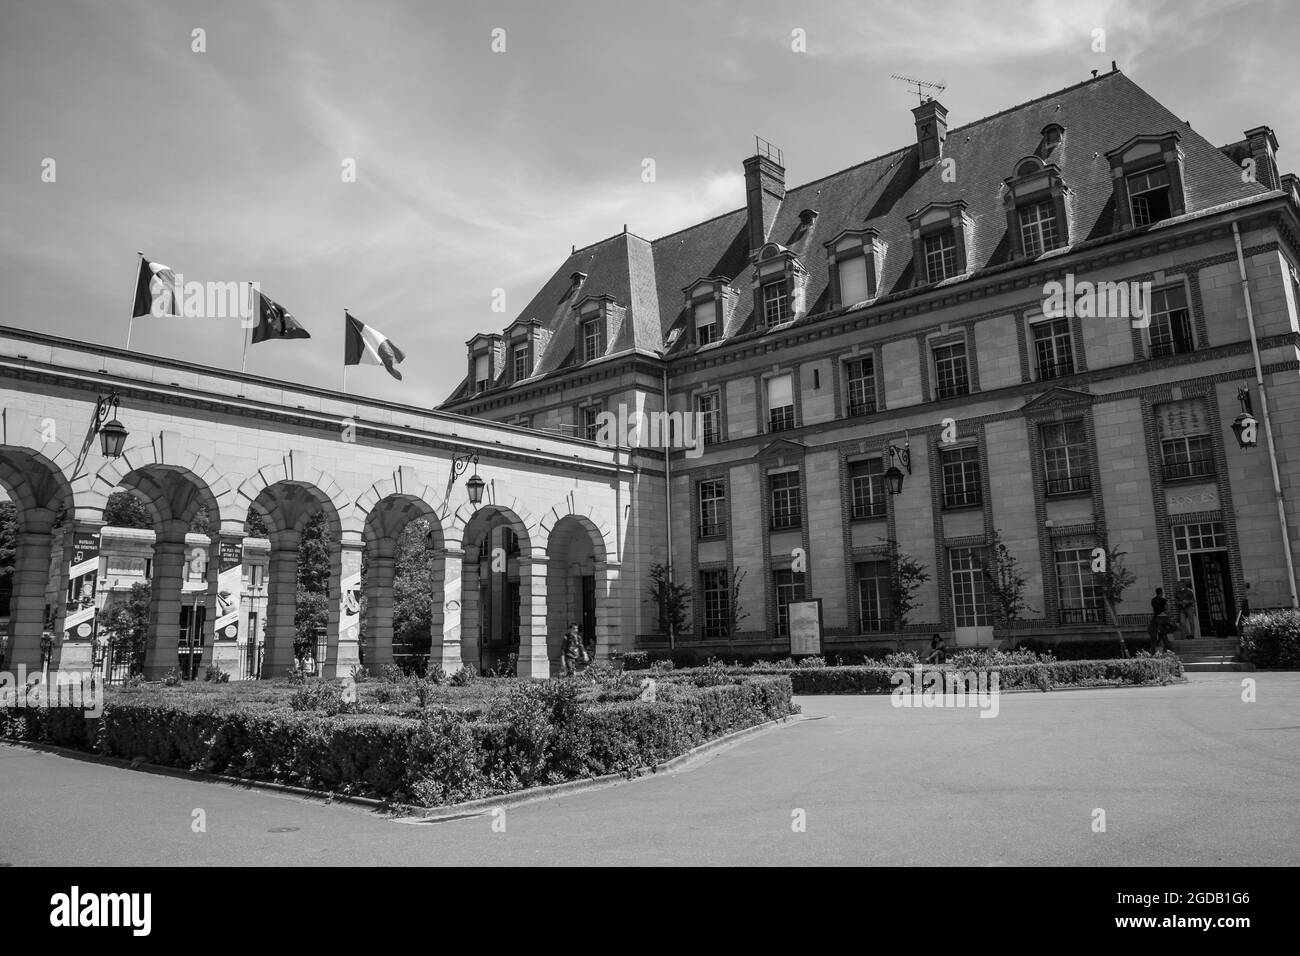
1185,599
573,650
1159,620
1244,612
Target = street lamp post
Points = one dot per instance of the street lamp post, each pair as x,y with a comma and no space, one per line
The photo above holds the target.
898,456
112,434
1245,426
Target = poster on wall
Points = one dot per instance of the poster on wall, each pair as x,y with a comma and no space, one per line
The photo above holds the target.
79,624
805,626
230,580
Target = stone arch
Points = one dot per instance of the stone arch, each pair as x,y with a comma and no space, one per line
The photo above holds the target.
579,585
390,506
300,469
37,480
165,452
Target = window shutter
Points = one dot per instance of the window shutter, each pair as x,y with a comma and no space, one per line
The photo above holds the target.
480,367
705,313
1180,419
853,280
780,391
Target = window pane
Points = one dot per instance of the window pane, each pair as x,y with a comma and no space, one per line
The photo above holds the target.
717,600
950,370
970,601
961,478
873,596
861,376
1053,350
853,280
713,507
708,405
867,488
940,256
786,509
1078,591
788,587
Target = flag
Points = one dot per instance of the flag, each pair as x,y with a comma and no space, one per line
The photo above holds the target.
274,321
361,344
157,291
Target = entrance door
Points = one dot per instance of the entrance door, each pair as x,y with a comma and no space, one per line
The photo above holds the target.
589,609
1216,607
973,623
190,643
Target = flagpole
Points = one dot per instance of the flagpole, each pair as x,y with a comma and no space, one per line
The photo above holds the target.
131,322
345,351
243,362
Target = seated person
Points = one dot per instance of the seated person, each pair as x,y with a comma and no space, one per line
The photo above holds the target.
938,650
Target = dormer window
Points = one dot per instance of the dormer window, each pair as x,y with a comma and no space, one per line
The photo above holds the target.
856,259
706,322
593,338
710,303
521,361
486,358
1037,207
1147,173
940,238
1051,134
482,372
1148,196
779,283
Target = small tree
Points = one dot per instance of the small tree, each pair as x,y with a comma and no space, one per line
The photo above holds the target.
673,601
1005,581
126,622
1113,579
310,617
906,575
735,611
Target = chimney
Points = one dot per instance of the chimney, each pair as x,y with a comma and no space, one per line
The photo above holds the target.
764,191
1263,149
931,130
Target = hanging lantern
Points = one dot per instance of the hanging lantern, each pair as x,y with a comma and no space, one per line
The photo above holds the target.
112,438
475,486
894,480
1245,427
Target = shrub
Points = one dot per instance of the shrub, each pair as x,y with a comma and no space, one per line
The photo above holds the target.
360,675
1272,639
463,677
435,674
608,677
713,674
636,661
661,667
215,674
900,660
172,677
320,695
445,761
813,661
391,674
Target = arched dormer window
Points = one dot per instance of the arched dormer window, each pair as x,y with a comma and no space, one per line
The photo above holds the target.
855,259
1147,173
1037,207
710,304
598,320
941,234
780,281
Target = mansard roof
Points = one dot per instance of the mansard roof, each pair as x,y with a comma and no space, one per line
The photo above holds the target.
1098,115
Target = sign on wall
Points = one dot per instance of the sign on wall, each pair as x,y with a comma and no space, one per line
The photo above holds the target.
79,623
230,570
805,626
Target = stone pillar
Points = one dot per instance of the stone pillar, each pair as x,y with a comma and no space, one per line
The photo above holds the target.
379,606
27,603
169,559
471,615
344,634
445,651
282,597
534,660
609,638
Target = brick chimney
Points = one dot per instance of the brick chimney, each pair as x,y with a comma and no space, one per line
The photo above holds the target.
931,130
764,191
1263,149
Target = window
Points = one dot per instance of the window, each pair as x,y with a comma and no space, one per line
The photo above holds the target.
253,574
1148,194
861,375
1038,227
789,588
780,403
1191,456
717,604
1171,323
591,422
867,488
873,596
482,373
961,478
706,322
1053,349
709,407
940,255
713,507
593,339
521,363
776,303
969,595
1186,450
950,372
1065,458
786,509
854,287
1078,593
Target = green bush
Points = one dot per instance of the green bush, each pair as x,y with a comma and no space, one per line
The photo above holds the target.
1272,639
636,661
320,695
463,677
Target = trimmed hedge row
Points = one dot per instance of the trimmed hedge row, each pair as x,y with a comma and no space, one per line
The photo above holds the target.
540,734
1272,639
1044,676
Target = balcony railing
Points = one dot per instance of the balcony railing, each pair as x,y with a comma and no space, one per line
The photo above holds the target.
864,406
869,509
1177,345
963,499
1050,370
953,390
871,625
1196,468
780,419
1082,615
783,521
712,529
1069,485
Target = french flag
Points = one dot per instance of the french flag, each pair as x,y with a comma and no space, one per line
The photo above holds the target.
362,344
157,291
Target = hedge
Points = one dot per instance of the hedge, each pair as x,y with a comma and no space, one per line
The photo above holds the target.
1272,639
1044,676
537,735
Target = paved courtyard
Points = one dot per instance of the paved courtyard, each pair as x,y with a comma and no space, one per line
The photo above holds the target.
1186,775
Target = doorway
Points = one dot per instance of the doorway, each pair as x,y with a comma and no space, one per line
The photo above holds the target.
1201,553
190,644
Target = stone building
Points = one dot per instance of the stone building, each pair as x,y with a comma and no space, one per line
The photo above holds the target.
1043,324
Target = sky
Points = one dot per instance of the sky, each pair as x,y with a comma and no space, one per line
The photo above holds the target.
477,169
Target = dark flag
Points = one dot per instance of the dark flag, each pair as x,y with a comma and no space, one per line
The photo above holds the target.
274,321
157,291
361,343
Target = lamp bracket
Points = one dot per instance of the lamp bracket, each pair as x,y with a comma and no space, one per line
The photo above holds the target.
902,456
105,405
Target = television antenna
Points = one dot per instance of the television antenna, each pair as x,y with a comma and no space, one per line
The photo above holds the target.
921,85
